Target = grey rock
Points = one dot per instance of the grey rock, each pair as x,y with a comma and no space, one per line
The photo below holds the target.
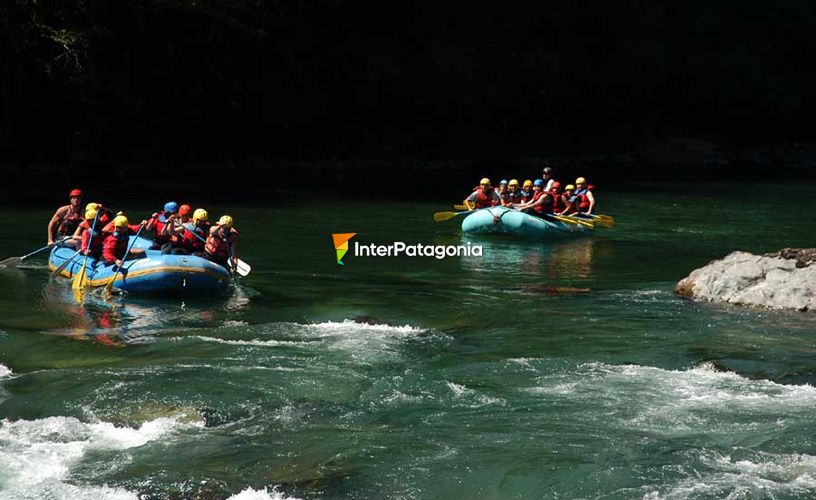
782,280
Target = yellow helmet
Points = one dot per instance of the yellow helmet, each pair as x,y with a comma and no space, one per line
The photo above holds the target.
200,215
225,220
120,221
92,206
569,187
580,180
484,182
513,182
528,183
90,212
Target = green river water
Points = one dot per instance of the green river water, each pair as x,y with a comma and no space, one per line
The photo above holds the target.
538,370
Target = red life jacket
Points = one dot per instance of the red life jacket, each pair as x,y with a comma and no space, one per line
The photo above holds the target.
546,206
485,200
558,202
516,197
219,247
95,242
70,221
583,199
189,240
115,245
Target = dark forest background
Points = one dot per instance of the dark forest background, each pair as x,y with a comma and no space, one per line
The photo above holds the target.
376,95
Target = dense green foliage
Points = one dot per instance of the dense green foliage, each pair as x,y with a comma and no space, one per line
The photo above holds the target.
232,79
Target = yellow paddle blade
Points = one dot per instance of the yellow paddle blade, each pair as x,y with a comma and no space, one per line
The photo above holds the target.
80,280
460,207
565,219
580,222
605,222
443,216
109,286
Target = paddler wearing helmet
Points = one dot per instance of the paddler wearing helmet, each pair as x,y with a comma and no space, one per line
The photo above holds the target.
483,196
221,246
584,199
65,220
526,191
547,175
90,242
115,244
173,230
540,203
568,200
155,224
514,196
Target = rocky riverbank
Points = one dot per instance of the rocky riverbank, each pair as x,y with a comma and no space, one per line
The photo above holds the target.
779,280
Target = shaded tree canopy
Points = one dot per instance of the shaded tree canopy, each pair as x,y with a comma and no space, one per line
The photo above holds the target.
182,80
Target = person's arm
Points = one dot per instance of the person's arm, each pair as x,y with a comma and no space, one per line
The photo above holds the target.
591,199
54,223
470,201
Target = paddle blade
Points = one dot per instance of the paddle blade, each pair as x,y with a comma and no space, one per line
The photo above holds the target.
443,216
243,268
11,262
460,207
80,280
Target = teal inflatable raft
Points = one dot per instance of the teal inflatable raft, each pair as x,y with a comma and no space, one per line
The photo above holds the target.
154,274
501,220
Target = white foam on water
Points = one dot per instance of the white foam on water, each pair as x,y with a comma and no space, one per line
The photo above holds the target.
38,455
253,342
765,475
363,341
5,371
264,494
475,398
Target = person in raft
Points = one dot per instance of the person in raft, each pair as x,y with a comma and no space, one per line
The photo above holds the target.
173,230
483,196
154,229
514,194
527,191
196,232
584,199
66,218
567,201
503,192
547,177
541,202
183,240
90,242
115,244
220,246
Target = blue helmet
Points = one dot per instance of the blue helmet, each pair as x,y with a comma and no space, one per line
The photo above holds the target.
539,183
504,181
171,207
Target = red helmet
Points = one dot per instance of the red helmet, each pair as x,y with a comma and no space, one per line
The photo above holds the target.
185,210
75,193
556,185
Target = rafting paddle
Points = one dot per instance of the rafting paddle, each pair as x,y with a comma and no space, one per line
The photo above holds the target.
242,267
65,264
571,220
14,261
80,279
443,216
109,285
602,220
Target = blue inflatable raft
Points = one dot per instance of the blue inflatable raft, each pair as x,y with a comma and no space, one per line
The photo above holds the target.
155,274
501,220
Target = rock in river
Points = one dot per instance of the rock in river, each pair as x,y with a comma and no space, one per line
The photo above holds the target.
781,280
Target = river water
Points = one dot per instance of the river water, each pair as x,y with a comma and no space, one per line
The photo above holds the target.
560,370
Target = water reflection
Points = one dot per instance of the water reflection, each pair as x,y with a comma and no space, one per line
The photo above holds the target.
123,320
555,261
